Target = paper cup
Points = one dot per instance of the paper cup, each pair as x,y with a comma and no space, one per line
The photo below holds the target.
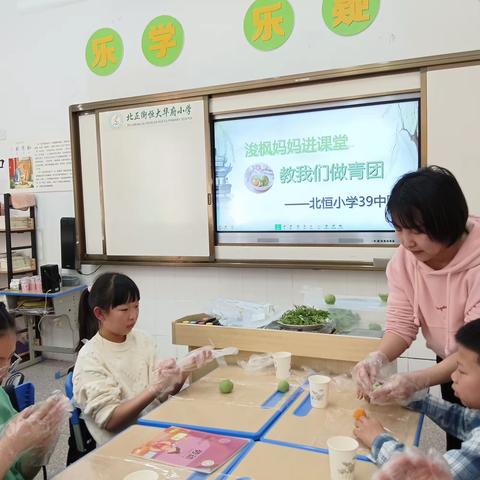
341,456
142,475
319,390
282,362
25,284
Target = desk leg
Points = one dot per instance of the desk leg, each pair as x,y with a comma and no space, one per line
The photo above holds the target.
30,319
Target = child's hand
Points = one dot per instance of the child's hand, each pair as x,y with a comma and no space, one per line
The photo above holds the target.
415,465
196,359
166,376
35,430
367,429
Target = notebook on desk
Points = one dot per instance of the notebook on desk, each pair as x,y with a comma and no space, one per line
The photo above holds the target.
195,450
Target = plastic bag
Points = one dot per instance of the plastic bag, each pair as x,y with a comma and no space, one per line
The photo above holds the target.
236,313
257,363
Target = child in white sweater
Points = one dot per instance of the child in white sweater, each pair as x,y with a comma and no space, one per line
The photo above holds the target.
117,377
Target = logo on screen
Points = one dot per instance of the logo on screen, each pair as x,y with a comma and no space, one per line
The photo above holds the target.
259,178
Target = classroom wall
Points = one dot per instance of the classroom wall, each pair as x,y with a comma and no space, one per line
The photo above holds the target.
43,71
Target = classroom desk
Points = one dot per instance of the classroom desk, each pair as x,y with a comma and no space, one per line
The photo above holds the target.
266,461
302,425
113,460
60,307
246,412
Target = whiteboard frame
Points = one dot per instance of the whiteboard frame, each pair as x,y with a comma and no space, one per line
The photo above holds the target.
79,190
419,65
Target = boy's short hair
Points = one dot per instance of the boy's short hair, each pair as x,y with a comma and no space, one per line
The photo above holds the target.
430,201
468,336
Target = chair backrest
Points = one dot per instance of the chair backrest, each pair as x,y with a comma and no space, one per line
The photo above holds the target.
15,379
81,441
25,394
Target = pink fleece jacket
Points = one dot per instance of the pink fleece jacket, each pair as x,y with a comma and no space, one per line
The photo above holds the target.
438,301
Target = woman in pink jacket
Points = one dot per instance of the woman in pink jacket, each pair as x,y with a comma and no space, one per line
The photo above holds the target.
433,279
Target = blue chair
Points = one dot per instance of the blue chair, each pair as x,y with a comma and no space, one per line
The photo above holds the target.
80,441
25,395
15,379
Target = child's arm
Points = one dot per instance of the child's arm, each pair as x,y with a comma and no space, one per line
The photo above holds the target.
465,463
374,436
455,419
9,456
99,396
129,410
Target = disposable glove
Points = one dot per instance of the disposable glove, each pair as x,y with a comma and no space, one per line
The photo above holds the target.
415,465
366,371
400,389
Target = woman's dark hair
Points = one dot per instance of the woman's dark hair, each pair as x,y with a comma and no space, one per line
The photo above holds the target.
7,322
430,201
108,291
468,336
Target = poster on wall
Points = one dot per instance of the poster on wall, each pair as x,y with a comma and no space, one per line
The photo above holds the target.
3,173
36,167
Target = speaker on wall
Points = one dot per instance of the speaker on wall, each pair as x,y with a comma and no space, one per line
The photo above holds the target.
68,241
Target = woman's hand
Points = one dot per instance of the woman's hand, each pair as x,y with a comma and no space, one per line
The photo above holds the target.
366,371
367,430
400,389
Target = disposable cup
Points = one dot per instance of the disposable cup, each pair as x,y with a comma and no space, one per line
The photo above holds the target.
25,284
38,283
341,455
282,362
142,475
319,390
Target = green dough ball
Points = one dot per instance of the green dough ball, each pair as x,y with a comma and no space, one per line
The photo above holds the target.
377,385
283,386
329,299
383,297
226,386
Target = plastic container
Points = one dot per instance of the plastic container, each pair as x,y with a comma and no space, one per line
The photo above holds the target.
362,316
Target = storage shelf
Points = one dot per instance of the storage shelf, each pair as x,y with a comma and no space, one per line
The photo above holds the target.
33,311
21,270
11,262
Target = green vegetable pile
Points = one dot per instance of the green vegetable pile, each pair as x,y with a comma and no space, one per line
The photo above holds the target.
304,315
344,319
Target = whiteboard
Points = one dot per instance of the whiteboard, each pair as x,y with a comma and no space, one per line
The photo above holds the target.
155,187
453,117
